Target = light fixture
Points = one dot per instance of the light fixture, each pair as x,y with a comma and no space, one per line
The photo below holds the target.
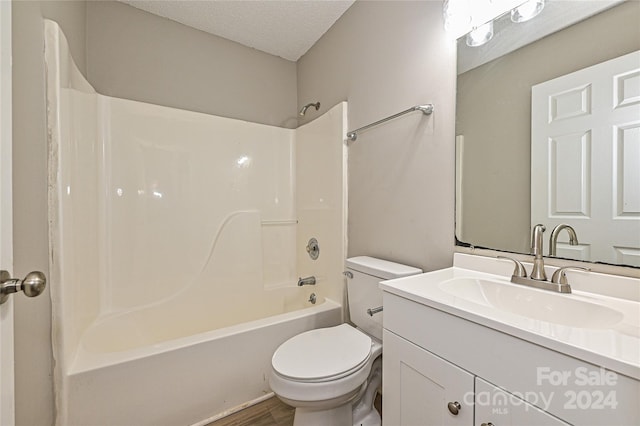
481,35
457,16
527,10
462,16
475,17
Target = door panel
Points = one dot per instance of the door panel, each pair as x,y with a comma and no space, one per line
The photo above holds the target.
585,159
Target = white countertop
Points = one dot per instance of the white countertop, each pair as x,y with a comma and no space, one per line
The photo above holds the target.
613,346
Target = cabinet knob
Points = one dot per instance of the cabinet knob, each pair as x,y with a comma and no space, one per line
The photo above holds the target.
454,407
487,424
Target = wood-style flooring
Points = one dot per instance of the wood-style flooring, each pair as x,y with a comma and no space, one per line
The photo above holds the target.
271,412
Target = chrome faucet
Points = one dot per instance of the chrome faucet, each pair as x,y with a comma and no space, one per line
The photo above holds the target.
307,281
538,278
553,239
537,273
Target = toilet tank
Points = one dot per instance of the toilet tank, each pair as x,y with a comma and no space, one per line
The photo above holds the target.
364,292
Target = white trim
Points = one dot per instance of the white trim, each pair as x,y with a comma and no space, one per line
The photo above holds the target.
7,400
459,230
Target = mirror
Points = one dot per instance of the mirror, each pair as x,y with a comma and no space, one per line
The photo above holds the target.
494,128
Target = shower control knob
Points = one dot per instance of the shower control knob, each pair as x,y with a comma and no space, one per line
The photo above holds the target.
313,248
32,285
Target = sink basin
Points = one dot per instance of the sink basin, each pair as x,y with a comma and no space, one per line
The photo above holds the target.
556,308
598,323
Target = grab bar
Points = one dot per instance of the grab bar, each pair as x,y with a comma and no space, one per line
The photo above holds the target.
426,110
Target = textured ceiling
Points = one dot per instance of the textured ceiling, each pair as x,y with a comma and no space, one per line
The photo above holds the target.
282,28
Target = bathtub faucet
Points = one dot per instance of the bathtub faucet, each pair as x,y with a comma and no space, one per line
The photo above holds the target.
307,281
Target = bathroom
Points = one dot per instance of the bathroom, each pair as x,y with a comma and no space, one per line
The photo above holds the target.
401,176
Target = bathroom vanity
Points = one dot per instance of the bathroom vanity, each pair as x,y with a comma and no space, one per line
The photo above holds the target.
464,346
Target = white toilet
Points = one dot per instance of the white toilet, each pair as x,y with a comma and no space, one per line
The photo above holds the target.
331,375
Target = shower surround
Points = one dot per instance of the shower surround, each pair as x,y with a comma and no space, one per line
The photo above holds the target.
176,242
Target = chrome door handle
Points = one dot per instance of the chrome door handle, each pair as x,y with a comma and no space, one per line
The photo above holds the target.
32,285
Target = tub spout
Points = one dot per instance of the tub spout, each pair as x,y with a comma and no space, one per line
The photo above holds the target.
307,281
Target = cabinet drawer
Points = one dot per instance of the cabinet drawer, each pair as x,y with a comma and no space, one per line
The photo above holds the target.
496,407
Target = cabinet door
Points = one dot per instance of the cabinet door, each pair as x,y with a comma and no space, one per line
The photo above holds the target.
499,408
418,387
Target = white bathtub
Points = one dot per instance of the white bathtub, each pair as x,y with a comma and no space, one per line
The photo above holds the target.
190,380
176,241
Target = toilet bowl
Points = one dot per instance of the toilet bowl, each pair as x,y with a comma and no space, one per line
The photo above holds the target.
321,382
331,375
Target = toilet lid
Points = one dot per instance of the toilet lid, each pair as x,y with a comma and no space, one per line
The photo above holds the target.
322,354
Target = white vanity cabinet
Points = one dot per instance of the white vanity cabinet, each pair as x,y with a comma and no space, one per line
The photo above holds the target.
422,389
433,358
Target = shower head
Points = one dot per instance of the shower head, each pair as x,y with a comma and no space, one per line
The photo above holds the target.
304,108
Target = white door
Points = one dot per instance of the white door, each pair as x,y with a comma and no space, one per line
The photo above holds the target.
585,159
6,244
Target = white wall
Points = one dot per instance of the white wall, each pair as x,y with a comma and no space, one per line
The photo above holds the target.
135,55
320,201
383,57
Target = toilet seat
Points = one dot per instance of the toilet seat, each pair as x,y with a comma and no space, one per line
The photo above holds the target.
322,355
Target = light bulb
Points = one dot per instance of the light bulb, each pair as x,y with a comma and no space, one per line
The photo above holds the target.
527,10
480,35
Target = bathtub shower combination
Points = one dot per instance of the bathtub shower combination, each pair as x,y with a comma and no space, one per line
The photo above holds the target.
177,239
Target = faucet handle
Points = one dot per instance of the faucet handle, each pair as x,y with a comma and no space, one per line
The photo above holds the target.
519,270
560,276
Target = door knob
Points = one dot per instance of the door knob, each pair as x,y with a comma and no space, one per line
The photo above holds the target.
32,285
